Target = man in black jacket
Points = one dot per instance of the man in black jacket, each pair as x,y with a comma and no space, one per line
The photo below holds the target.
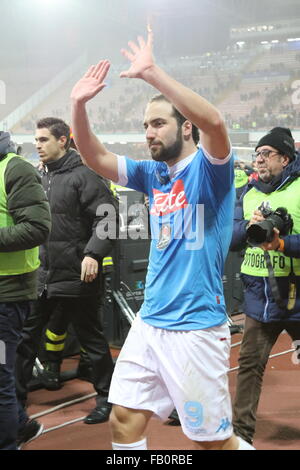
70,276
24,225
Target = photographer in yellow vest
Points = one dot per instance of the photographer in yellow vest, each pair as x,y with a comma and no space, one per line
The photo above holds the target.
267,226
240,178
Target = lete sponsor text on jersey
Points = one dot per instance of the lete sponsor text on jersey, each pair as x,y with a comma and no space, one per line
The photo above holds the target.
165,203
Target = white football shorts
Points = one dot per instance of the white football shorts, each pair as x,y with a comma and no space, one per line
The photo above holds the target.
159,370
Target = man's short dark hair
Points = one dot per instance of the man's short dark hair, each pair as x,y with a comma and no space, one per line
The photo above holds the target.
57,127
178,116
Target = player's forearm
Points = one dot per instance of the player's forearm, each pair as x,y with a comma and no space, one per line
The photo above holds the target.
87,143
93,153
195,108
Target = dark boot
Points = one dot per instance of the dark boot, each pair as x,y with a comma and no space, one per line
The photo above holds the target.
174,419
100,413
50,376
85,369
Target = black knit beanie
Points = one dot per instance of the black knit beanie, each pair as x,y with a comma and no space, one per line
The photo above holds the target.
281,139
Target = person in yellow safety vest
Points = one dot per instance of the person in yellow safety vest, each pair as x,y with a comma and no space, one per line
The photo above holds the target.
240,180
24,224
267,226
114,188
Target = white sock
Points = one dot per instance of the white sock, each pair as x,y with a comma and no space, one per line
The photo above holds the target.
243,445
140,445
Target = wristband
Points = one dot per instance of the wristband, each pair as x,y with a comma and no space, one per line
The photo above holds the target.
281,245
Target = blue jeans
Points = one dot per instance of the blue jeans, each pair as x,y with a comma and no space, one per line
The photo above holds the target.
12,317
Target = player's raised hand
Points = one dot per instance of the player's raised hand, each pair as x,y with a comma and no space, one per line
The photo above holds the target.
140,56
91,83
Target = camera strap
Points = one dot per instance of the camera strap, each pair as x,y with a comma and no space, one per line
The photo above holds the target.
274,287
273,282
292,288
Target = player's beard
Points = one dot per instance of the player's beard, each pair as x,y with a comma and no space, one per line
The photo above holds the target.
165,154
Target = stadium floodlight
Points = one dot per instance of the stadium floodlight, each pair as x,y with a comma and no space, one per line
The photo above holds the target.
44,2
49,3
2,96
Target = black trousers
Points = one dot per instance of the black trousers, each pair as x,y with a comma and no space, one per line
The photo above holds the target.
83,313
12,318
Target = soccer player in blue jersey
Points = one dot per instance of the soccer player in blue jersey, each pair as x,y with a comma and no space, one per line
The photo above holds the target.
176,353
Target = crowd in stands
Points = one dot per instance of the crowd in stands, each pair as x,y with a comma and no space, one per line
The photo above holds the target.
269,113
214,76
115,115
136,151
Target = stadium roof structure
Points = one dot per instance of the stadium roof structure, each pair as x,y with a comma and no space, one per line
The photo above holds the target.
236,10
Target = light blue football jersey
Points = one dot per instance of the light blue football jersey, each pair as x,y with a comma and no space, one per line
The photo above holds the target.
191,218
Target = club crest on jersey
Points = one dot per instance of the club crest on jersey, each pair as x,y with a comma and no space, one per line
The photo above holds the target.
166,203
164,237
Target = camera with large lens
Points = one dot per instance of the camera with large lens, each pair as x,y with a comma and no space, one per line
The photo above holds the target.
263,231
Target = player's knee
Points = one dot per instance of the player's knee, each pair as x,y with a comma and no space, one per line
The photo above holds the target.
228,444
128,425
119,422
212,445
